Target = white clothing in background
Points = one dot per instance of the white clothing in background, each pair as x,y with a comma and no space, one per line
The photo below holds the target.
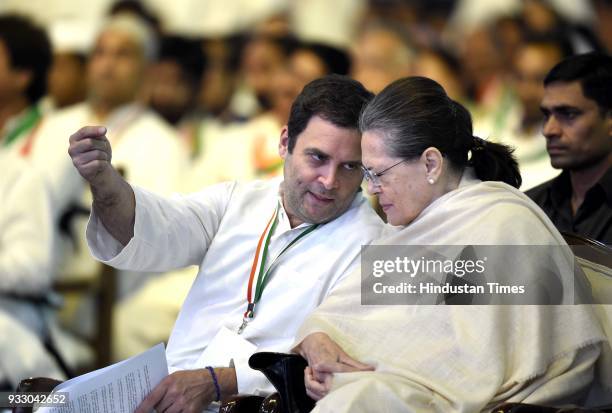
26,235
145,149
530,149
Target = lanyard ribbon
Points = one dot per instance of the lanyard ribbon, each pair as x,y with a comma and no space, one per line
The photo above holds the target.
263,277
29,120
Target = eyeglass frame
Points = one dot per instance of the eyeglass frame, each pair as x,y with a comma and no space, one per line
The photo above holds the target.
374,177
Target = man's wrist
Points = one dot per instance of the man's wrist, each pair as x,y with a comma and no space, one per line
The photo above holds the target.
108,190
227,380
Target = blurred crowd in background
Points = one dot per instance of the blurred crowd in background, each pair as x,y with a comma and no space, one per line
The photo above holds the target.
195,92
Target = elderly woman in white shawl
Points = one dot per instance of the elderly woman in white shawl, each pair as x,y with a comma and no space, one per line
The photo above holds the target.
441,186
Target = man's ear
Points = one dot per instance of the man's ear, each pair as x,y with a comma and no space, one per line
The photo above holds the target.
609,123
433,160
283,144
23,79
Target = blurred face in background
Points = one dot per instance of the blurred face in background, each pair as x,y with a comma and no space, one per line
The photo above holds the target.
306,66
380,57
261,59
284,91
171,93
481,63
13,82
116,69
431,65
219,78
539,16
67,79
532,63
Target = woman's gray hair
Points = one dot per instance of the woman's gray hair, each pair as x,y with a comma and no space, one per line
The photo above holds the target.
415,113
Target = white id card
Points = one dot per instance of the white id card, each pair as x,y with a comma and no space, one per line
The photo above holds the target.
225,346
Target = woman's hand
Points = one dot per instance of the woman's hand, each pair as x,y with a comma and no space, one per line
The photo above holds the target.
325,357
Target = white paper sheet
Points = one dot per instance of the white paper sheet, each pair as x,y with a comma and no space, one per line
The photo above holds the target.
118,388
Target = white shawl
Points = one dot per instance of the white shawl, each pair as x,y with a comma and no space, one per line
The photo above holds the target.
460,358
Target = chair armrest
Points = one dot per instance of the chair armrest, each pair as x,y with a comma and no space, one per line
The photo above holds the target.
241,403
34,384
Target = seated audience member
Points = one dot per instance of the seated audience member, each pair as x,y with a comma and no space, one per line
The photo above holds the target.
26,235
577,107
72,41
268,251
382,53
174,84
25,57
440,185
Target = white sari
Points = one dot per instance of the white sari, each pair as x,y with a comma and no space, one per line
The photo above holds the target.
446,358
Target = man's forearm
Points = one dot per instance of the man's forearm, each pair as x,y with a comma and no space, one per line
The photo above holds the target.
114,203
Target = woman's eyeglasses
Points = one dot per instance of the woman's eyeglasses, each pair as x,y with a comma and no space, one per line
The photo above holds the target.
374,177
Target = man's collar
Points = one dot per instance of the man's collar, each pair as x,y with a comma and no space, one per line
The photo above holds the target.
560,190
606,184
561,187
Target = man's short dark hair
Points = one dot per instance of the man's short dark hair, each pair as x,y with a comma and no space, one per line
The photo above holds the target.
593,71
337,99
29,49
187,53
335,59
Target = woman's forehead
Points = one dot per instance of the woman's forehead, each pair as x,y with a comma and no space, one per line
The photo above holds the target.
374,146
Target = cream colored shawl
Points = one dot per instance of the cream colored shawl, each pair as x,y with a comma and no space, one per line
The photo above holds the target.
460,358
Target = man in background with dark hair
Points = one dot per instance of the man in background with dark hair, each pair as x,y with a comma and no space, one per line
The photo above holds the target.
25,58
174,85
175,78
577,108
268,251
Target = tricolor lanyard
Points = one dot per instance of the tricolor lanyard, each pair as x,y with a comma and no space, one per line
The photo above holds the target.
259,264
29,141
29,120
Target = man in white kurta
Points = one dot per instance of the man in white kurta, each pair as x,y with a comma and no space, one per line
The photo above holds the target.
268,251
218,229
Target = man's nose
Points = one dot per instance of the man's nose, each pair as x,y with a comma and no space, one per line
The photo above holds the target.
329,178
551,127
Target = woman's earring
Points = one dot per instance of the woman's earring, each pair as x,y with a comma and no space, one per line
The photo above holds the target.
431,181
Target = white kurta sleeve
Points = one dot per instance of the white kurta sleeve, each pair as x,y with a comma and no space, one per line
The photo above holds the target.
168,233
250,381
26,231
